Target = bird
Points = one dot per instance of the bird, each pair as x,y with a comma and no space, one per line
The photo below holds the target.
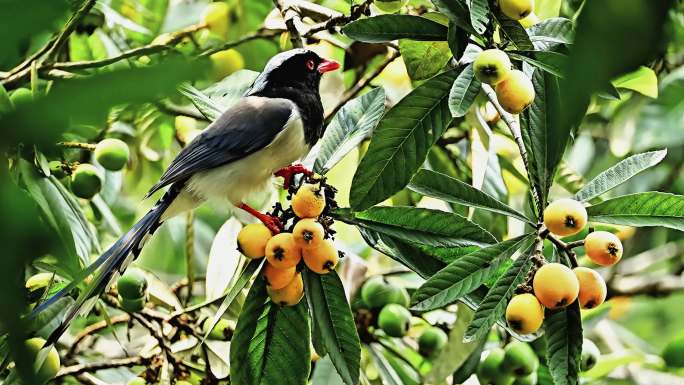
274,124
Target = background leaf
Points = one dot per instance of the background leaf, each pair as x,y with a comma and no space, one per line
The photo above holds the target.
424,59
479,14
334,323
463,92
271,343
224,259
564,343
351,125
401,142
457,11
513,31
641,209
384,28
619,174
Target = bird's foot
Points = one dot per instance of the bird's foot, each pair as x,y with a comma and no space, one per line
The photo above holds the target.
272,222
289,172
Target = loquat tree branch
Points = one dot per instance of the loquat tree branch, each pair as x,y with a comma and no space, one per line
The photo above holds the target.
292,18
93,329
94,367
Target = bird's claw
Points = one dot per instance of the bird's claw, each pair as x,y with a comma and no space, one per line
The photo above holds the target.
288,173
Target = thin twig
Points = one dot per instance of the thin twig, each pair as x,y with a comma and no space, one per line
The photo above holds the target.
94,367
189,253
292,19
95,328
79,145
69,28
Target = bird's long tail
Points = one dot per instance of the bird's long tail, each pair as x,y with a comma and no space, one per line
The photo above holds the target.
109,265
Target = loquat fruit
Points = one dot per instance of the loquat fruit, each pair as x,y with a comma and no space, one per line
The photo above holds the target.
289,295
516,9
216,18
394,320
524,313
224,63
308,233
389,6
592,288
431,341
86,181
565,217
515,92
590,355
282,251
112,154
529,20
489,371
321,259
520,360
252,240
492,66
278,278
309,201
50,366
376,293
603,248
530,379
555,285
132,284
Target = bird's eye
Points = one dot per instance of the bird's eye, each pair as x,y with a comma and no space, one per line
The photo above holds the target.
310,64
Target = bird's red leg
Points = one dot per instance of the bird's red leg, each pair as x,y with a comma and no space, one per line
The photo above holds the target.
290,171
273,223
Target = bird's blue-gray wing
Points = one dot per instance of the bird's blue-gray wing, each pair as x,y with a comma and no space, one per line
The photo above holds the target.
246,127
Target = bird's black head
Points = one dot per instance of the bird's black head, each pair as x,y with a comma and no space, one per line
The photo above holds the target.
296,75
299,69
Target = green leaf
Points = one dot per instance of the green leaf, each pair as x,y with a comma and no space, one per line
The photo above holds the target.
271,343
424,226
551,33
661,119
463,92
5,102
493,306
643,81
387,373
513,31
549,61
401,142
544,139
446,188
464,275
547,8
564,343
642,209
208,107
457,39
325,374
619,174
479,14
457,11
334,322
424,59
351,125
384,28
469,366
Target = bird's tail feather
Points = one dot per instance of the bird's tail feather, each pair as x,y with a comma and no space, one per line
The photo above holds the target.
111,264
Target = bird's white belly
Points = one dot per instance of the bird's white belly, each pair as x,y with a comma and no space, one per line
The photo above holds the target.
239,179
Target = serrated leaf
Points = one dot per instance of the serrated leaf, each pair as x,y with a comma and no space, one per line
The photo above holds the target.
544,138
464,275
564,343
424,59
619,174
457,11
351,125
271,343
479,14
513,31
423,226
463,91
642,209
334,323
384,28
446,188
550,33
401,142
493,306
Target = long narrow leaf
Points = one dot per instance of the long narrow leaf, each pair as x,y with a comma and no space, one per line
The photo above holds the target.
642,209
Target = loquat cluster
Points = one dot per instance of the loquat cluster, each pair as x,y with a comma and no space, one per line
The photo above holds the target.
514,90
555,285
306,243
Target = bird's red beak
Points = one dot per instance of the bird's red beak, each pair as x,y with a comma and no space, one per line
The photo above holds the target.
327,66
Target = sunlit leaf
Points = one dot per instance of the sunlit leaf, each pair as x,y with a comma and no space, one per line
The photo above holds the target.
641,209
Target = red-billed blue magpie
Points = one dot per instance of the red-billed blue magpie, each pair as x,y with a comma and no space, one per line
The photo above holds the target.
276,123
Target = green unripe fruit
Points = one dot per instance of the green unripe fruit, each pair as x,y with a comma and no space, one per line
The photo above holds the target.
21,96
223,330
590,355
50,365
490,372
132,285
133,305
224,63
432,340
492,66
520,359
138,381
37,284
181,382
377,293
112,154
216,18
516,9
674,352
394,320
530,379
390,6
58,169
86,181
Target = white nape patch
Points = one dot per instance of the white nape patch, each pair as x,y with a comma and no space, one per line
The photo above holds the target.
237,180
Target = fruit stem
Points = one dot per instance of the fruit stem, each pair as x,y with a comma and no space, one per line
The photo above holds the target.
79,145
514,127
